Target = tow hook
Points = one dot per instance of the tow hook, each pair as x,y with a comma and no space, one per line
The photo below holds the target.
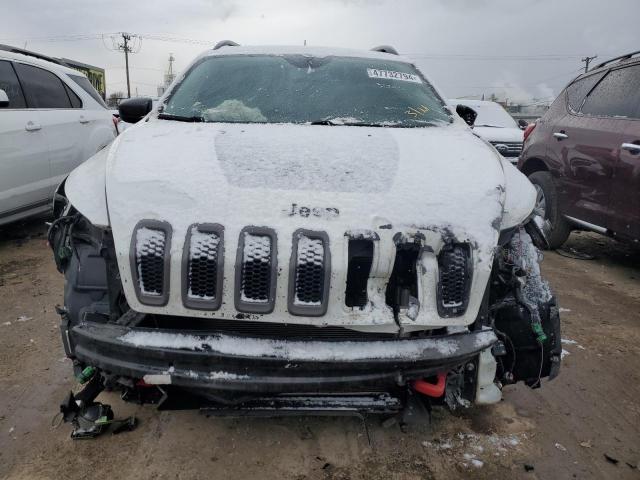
434,390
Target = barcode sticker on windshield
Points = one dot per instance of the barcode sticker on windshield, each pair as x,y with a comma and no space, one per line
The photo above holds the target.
389,74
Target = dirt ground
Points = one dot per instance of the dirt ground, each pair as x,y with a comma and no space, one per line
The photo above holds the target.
563,430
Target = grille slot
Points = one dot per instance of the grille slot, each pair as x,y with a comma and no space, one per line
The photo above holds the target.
149,261
508,149
203,267
358,270
454,280
256,270
309,271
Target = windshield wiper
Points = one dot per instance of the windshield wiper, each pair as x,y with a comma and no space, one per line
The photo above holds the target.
179,118
489,125
338,122
323,122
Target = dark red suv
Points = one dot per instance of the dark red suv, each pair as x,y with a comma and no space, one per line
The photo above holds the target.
583,155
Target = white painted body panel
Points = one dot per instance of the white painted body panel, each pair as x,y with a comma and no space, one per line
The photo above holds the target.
436,180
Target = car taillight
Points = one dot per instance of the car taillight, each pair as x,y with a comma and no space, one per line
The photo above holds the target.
116,120
528,130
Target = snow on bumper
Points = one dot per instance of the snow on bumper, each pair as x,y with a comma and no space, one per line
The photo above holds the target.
251,364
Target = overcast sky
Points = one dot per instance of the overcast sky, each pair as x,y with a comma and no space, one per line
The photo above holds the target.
521,50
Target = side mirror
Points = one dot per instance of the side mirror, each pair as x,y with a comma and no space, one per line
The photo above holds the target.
134,109
4,99
522,123
468,114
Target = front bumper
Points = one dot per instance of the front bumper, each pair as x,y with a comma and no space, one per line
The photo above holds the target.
226,363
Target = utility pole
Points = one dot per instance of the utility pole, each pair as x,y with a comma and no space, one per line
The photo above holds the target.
131,43
125,46
587,61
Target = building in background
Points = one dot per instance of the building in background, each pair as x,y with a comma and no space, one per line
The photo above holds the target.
95,74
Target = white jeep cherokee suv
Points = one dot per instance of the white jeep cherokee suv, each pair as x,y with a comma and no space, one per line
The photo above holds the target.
302,228
51,120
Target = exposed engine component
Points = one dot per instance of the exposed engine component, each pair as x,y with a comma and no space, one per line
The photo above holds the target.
524,314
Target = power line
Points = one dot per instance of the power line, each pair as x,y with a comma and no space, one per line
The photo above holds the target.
494,58
119,67
174,39
58,38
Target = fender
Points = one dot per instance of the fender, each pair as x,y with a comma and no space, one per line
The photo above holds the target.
85,188
520,197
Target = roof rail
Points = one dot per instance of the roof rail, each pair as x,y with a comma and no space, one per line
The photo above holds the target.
225,43
21,51
620,58
385,49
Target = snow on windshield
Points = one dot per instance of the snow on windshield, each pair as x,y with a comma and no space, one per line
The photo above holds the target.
306,89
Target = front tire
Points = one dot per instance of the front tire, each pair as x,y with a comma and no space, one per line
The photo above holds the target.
547,208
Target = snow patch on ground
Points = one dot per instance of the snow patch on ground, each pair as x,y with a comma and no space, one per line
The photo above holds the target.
472,449
567,341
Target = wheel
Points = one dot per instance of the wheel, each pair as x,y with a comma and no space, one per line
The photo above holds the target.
547,208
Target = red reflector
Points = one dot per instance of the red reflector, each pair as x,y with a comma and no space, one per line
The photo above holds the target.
528,130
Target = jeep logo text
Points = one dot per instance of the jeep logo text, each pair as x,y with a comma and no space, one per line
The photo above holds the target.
321,212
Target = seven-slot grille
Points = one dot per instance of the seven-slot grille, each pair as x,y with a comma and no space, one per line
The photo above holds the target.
309,270
203,265
149,261
508,149
454,280
256,270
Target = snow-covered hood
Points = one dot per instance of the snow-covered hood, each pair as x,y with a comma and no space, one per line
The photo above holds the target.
433,182
495,134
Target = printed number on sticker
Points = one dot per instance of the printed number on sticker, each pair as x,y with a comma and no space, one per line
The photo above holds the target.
389,74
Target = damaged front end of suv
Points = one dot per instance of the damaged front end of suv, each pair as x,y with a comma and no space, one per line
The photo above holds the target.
234,277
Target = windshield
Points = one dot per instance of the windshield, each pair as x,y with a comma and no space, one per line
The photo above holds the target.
305,89
491,114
